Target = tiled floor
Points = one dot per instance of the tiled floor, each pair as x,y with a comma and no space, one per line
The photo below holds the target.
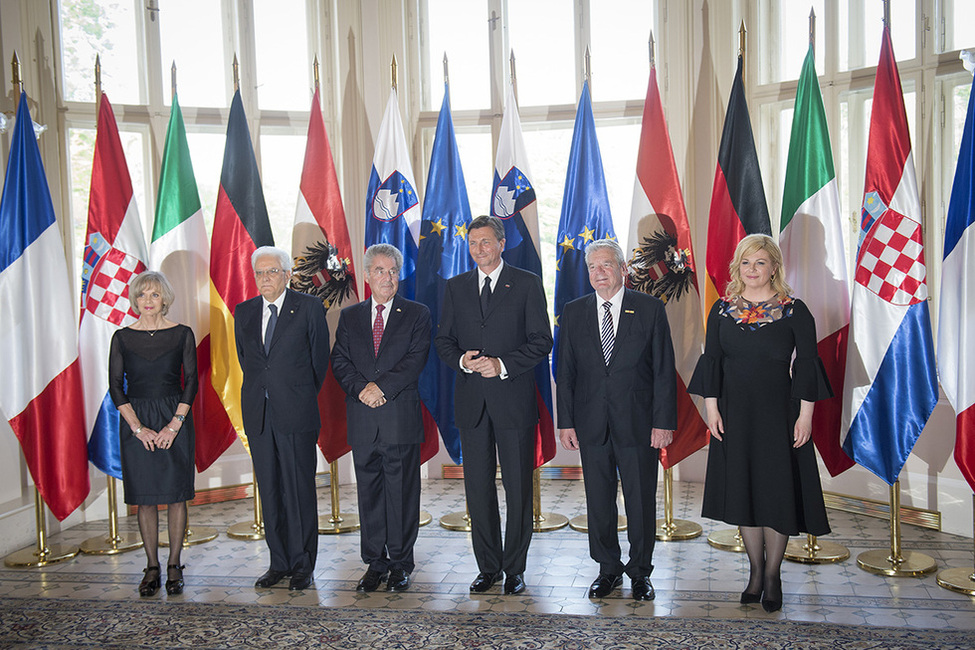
691,578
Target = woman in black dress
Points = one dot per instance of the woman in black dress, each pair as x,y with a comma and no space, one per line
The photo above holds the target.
762,474
152,381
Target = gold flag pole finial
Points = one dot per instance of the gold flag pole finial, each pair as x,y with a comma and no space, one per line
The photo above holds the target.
514,76
393,71
887,14
98,80
588,71
236,74
653,58
812,28
741,50
314,67
172,80
16,80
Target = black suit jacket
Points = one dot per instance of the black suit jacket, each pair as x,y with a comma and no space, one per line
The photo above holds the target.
636,392
402,356
293,370
515,329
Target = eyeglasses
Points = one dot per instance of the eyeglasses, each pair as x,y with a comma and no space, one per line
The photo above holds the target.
268,272
393,273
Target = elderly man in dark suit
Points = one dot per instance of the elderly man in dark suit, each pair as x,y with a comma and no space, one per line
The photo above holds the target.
494,330
282,346
381,346
617,404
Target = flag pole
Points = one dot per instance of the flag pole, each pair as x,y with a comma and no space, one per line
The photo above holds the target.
44,553
896,562
961,579
670,529
115,542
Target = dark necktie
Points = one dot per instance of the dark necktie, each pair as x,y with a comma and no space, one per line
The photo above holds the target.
269,332
485,296
377,329
607,336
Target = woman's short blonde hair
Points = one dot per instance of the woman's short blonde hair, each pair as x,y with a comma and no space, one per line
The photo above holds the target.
749,246
155,280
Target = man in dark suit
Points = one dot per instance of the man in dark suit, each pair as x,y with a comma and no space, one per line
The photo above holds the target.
381,346
493,331
282,346
617,404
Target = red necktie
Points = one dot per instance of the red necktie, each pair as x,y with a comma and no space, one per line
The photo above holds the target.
377,329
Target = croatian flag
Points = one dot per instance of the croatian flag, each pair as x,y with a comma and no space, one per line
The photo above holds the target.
956,327
513,201
890,387
115,252
393,217
41,395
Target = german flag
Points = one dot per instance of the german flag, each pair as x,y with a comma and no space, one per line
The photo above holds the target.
240,226
738,205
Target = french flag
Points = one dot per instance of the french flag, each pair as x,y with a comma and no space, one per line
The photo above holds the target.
41,395
890,387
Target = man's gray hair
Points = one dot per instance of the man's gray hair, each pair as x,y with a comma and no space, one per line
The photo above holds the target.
488,221
609,244
283,258
386,250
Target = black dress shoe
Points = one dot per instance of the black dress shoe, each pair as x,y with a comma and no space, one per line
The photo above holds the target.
604,584
150,582
484,581
174,587
371,580
642,589
514,584
300,581
399,580
270,578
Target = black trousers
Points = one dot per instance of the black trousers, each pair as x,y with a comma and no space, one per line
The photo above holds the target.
482,448
284,464
638,474
388,484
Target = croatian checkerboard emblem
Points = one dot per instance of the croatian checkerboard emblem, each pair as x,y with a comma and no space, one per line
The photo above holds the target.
891,255
107,287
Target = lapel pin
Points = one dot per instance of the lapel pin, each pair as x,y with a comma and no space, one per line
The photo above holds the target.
507,286
398,309
628,311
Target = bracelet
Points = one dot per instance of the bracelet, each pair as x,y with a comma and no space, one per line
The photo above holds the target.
171,429
137,431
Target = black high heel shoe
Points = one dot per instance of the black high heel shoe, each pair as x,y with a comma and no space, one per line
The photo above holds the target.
150,582
175,587
750,599
772,597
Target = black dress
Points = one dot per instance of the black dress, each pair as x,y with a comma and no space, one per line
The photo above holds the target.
755,477
155,373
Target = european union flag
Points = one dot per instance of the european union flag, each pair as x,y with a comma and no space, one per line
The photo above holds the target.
585,213
442,255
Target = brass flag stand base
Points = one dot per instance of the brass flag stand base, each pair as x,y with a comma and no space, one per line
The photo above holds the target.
581,522
543,522
815,551
250,530
896,563
338,522
961,579
44,553
668,528
727,540
425,518
193,536
457,521
116,542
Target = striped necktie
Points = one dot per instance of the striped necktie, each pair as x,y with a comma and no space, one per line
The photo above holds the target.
607,336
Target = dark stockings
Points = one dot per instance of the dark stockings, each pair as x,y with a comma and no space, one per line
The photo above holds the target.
765,548
149,528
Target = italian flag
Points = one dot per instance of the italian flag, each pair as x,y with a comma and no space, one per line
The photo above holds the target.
180,250
811,238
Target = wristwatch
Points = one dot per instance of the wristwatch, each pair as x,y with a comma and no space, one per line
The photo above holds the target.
180,417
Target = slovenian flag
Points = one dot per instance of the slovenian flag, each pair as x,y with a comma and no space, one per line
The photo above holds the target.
443,254
179,248
811,238
738,205
956,327
115,252
42,396
891,387
240,226
662,265
393,217
323,265
513,201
